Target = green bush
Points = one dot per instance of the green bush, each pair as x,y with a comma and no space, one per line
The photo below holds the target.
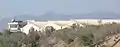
8,39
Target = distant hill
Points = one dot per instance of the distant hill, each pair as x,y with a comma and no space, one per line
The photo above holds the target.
54,16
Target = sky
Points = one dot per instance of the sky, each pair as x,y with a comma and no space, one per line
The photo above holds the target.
39,7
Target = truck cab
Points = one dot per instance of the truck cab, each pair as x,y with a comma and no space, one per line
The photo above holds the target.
15,26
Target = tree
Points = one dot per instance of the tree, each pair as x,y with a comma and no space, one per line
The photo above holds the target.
49,30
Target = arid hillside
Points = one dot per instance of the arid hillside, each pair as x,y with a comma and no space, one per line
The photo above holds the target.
91,36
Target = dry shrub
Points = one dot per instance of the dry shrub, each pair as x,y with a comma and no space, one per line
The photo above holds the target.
90,36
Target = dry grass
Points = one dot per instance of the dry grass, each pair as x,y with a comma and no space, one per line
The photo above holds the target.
90,36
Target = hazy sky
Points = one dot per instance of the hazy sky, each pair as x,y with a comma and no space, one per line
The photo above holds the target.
38,7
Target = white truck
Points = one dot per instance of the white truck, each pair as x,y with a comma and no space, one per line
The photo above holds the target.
15,26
